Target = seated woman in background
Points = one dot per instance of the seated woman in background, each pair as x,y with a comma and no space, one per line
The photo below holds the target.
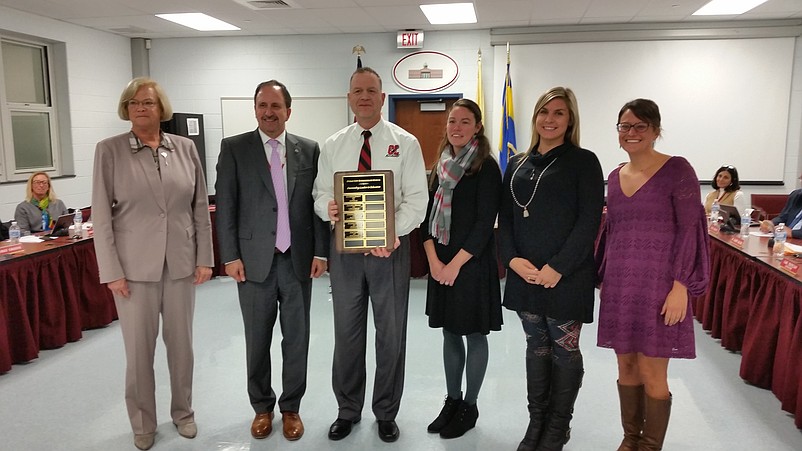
727,190
39,198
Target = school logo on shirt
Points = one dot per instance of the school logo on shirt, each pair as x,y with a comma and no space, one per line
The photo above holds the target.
392,151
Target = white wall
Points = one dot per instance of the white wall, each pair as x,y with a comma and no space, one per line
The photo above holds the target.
197,72
98,68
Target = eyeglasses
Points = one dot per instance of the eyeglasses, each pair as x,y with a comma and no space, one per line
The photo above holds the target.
149,104
727,166
40,182
640,127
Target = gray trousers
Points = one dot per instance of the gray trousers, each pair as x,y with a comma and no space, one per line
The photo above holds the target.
139,315
281,295
355,278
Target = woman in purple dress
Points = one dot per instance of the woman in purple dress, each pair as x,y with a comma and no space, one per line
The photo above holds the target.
652,255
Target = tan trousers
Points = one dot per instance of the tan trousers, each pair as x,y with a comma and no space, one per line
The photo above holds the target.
139,322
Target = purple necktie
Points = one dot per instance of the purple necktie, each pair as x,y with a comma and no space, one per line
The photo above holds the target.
283,222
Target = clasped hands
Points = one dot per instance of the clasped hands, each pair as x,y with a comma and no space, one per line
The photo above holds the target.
545,276
444,274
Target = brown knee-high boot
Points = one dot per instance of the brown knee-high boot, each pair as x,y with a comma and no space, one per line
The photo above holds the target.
655,424
632,405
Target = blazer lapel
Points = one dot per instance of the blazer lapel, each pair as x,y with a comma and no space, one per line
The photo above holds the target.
293,153
259,160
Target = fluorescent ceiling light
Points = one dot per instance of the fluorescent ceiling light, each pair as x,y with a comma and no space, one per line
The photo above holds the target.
727,7
449,13
198,21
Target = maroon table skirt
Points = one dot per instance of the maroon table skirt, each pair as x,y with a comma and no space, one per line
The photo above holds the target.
754,308
47,299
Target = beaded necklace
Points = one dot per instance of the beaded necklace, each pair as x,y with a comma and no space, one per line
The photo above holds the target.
532,177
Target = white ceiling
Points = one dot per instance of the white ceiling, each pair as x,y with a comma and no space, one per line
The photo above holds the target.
135,18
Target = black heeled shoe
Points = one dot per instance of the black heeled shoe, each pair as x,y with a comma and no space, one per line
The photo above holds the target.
463,421
450,406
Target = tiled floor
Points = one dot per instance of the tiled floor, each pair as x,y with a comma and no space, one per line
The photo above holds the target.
72,398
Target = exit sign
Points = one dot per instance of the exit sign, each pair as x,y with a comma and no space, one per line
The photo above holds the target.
410,39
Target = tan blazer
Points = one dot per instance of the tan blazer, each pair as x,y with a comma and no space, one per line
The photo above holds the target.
141,219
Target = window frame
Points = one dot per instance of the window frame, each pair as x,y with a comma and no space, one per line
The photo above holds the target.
9,172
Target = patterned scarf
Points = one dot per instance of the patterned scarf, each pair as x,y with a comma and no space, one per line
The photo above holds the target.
449,172
42,204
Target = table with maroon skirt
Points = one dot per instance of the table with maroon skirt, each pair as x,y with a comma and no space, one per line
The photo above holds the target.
49,293
755,307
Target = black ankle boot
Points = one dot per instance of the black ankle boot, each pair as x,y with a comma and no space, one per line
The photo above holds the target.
462,421
446,413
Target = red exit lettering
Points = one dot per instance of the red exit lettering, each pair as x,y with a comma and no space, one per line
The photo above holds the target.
409,39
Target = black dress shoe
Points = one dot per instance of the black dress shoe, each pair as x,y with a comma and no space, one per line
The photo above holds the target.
341,428
388,430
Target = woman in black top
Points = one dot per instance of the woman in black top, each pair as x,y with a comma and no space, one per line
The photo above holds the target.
549,217
464,296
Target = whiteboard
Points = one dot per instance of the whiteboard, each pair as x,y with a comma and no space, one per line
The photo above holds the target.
722,102
315,118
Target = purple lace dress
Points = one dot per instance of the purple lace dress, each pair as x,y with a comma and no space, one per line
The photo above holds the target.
649,240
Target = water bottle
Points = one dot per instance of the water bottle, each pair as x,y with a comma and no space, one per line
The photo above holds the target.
14,232
779,240
746,219
714,210
77,224
45,221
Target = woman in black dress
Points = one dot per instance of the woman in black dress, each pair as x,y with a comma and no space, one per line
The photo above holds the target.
548,220
464,295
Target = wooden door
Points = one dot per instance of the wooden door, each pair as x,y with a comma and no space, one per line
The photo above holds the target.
428,126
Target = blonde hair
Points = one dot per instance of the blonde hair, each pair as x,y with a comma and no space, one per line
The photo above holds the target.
572,132
130,91
29,187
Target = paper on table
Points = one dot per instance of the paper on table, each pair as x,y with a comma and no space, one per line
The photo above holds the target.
793,248
30,239
759,233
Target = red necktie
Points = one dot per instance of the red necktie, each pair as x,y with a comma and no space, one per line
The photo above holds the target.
364,155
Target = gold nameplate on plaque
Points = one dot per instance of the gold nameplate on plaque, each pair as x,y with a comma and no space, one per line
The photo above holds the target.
367,211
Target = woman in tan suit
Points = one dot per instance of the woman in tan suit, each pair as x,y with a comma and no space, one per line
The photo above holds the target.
153,241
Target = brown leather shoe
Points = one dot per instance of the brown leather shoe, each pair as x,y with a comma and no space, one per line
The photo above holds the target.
262,425
293,426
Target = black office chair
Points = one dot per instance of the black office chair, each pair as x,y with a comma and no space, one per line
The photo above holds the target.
4,230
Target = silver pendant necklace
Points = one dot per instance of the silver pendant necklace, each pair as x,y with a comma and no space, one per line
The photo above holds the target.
512,191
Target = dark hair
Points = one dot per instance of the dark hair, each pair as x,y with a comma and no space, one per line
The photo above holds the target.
735,183
277,84
483,149
366,70
646,110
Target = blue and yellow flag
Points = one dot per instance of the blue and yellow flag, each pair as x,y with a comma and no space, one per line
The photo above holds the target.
507,147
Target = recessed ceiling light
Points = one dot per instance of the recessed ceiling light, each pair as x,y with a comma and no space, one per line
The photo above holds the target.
198,21
727,7
449,13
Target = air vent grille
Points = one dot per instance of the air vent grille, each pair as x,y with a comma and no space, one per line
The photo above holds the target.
266,4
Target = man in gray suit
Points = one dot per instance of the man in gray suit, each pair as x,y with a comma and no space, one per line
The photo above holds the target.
273,244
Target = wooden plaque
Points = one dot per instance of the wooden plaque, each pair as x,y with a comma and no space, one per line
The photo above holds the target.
366,204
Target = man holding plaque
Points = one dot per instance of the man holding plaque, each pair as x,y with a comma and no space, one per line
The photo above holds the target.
380,274
273,244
